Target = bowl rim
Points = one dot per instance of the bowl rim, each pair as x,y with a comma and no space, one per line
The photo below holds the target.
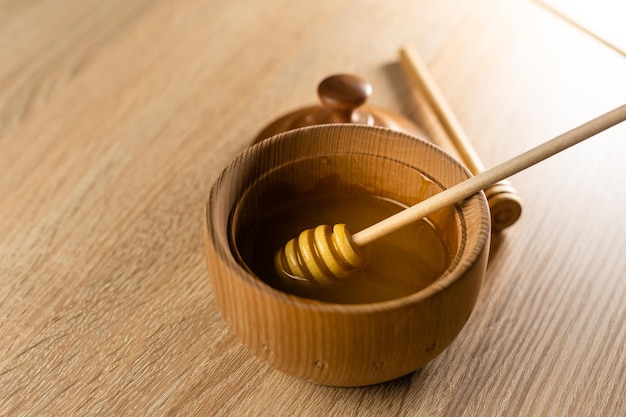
449,278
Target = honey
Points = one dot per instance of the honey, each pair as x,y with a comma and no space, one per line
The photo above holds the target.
397,265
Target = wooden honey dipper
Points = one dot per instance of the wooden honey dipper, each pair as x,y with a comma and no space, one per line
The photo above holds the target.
323,255
504,202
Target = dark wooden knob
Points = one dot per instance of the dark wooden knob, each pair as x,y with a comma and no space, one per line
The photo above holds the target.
342,94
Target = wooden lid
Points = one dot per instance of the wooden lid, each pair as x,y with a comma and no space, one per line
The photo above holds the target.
343,98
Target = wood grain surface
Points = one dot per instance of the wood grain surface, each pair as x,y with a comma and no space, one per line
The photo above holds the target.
116,117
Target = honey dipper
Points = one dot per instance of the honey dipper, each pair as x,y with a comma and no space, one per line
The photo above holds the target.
324,254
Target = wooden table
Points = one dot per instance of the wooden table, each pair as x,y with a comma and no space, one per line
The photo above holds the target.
116,117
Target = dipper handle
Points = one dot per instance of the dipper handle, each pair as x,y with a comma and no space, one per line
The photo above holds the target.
491,176
504,202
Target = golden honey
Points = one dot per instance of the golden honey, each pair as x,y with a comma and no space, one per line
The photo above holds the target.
397,265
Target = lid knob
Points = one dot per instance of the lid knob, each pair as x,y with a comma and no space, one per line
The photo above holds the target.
342,94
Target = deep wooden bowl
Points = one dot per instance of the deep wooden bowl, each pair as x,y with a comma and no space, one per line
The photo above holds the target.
344,344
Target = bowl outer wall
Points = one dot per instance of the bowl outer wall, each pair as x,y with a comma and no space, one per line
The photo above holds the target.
336,344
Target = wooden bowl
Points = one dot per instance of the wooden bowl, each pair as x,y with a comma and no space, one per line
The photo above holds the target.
344,344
